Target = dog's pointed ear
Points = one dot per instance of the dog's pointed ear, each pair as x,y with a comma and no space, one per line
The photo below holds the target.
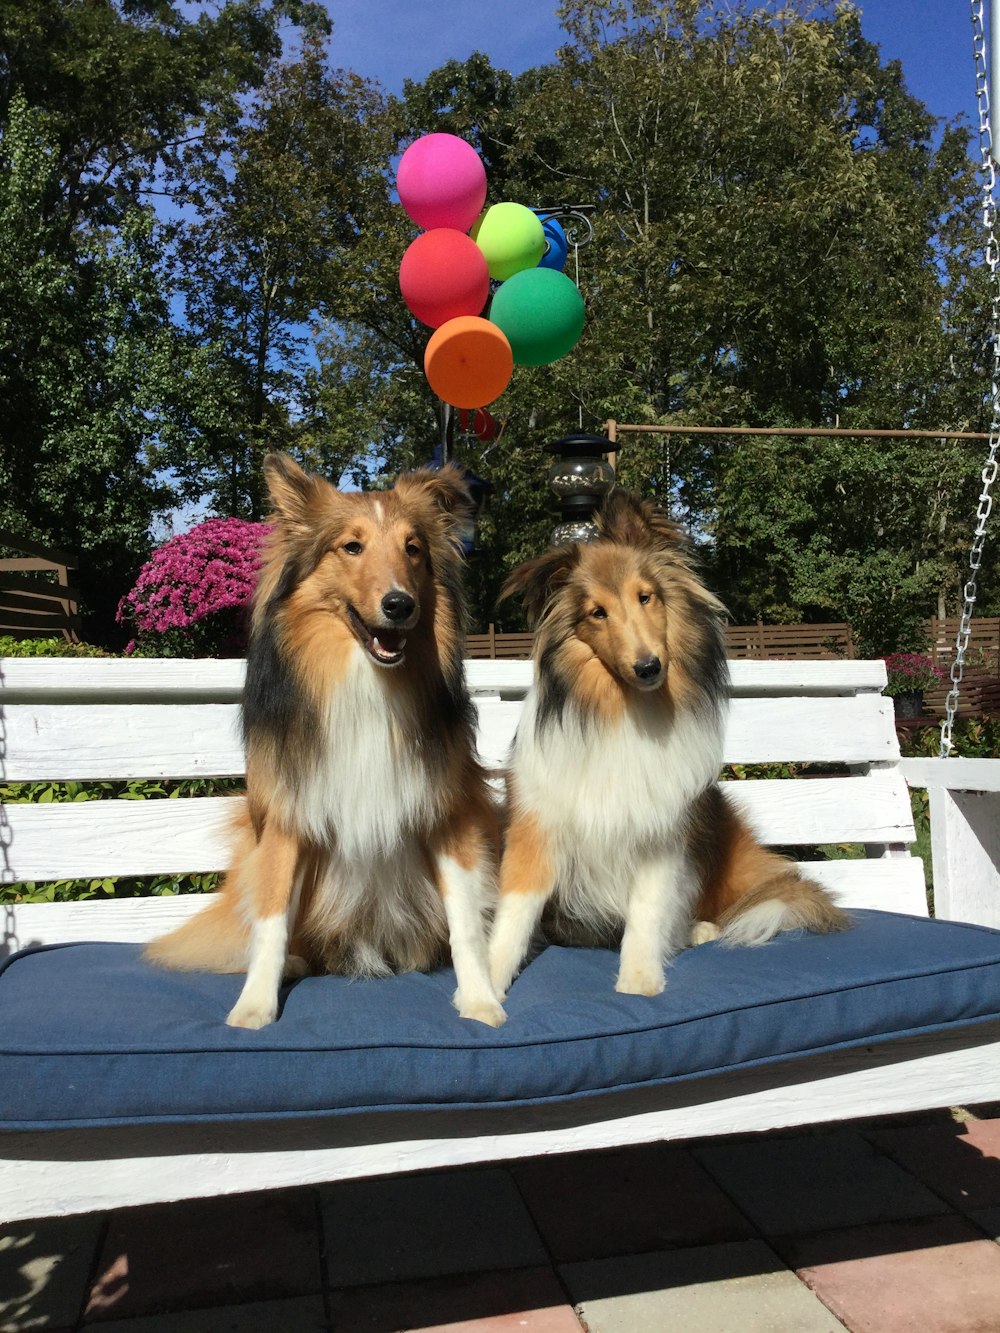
446,487
631,521
537,580
292,491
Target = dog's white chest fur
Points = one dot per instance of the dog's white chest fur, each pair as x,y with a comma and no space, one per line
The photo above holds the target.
610,797
372,788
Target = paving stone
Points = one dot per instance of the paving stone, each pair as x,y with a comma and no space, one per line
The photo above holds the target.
935,1275
987,1220
519,1301
426,1226
44,1270
183,1256
593,1205
815,1183
961,1162
302,1315
739,1287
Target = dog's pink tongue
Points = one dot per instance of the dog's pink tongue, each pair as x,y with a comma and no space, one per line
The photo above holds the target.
388,642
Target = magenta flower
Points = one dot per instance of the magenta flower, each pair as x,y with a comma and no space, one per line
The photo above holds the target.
200,582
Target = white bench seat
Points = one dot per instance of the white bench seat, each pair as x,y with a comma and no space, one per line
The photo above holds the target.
68,719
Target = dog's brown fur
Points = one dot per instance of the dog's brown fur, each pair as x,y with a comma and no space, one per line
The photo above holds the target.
629,643
336,690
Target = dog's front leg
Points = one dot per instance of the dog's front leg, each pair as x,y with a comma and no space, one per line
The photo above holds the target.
269,884
526,881
462,869
657,922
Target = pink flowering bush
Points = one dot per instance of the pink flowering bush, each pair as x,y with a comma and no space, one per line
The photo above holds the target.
909,673
192,596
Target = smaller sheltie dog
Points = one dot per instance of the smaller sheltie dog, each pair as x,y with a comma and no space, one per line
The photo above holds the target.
617,829
369,840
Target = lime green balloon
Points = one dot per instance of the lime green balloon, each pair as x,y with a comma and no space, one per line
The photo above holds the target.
541,311
511,237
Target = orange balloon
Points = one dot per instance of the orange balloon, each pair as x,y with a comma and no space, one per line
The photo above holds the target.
468,361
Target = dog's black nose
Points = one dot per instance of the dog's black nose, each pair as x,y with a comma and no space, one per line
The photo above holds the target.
398,605
647,669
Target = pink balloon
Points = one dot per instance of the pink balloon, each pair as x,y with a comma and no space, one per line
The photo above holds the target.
441,182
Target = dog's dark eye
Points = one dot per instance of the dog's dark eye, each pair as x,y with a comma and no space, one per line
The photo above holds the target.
412,549
598,613
644,597
352,548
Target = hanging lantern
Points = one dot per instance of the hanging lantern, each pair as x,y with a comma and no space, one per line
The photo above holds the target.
580,478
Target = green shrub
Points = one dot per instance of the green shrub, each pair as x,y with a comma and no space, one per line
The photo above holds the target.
974,738
75,890
11,647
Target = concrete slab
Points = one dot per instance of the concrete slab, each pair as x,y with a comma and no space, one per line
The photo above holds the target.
739,1287
961,1162
518,1301
593,1205
935,1274
407,1227
207,1252
45,1267
815,1183
303,1315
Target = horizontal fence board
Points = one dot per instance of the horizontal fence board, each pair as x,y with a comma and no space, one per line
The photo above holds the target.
894,885
220,680
891,884
115,741
799,811
853,730
92,839
11,619
121,741
121,680
954,774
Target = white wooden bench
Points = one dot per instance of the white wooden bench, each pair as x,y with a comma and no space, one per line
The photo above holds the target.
110,719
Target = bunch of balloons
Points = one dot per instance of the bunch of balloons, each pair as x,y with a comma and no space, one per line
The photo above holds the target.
446,275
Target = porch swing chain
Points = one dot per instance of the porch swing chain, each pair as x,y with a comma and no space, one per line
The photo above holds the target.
989,473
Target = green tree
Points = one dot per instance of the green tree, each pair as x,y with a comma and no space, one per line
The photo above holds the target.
83,355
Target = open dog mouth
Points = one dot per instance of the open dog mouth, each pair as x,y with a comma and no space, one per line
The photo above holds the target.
384,646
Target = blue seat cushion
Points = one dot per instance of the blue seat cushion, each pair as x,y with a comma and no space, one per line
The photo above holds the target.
90,1034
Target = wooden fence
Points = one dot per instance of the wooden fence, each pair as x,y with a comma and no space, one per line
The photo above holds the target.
36,599
767,642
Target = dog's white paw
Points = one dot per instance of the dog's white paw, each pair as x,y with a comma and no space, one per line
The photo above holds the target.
295,967
484,1010
640,981
704,931
250,1014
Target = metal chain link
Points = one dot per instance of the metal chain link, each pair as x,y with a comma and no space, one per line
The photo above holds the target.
989,473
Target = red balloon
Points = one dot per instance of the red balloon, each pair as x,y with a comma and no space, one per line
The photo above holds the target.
481,423
443,275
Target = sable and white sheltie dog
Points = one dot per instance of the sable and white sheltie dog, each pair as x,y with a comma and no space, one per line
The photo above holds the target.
369,840
616,827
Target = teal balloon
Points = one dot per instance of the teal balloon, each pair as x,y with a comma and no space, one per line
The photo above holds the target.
541,311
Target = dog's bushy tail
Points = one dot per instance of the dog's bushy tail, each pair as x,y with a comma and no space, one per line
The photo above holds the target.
215,940
788,901
750,893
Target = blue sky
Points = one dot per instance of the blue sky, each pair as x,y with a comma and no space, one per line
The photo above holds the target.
396,39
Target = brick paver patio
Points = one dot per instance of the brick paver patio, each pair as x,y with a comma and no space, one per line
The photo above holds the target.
891,1227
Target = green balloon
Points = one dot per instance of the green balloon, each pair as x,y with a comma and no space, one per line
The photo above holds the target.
541,311
511,237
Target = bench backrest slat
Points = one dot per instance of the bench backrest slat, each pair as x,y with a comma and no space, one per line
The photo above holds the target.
98,741
220,680
109,719
90,839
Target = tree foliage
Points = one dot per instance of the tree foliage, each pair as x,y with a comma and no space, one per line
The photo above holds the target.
784,236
